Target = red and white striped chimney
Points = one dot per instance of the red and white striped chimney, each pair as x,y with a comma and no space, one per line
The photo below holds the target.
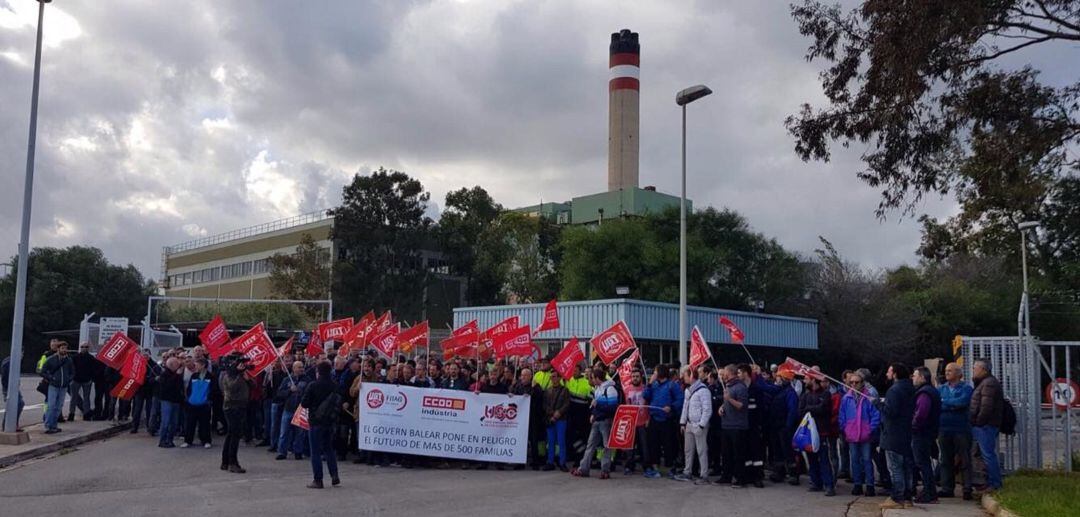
623,105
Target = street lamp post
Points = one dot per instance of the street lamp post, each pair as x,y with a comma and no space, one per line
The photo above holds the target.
1030,440
683,98
11,416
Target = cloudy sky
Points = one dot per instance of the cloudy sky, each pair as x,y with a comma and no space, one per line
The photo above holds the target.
165,121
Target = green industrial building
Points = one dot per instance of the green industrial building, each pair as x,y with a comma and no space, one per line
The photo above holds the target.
594,208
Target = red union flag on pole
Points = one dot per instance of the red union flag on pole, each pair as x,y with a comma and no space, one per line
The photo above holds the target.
551,317
300,418
699,349
356,337
386,341
624,427
215,337
414,336
285,348
737,335
469,328
513,342
115,351
334,330
257,347
314,346
613,342
125,389
568,358
626,369
384,322
134,367
800,369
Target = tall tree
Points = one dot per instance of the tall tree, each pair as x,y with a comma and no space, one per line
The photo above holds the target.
517,254
380,229
467,213
63,284
303,275
923,87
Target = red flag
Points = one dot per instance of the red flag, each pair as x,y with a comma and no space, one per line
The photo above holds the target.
300,418
334,330
314,346
613,342
358,334
568,358
513,342
215,337
125,389
384,322
134,367
115,351
469,328
459,345
256,346
414,336
508,324
285,348
626,369
737,335
551,317
386,341
699,349
801,369
624,427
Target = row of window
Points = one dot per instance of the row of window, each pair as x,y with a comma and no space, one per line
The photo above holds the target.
212,274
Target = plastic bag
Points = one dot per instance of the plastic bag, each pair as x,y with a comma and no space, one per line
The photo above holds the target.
806,437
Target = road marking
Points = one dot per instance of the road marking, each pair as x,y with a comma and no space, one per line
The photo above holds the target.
32,406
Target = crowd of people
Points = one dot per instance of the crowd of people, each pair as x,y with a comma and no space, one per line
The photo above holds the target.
727,426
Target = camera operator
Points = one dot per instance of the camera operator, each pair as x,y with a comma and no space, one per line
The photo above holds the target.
236,392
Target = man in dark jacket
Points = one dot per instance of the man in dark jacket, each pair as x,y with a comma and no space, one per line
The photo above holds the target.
454,380
896,413
288,396
783,420
817,401
58,370
81,381
987,407
142,403
171,393
322,419
525,386
924,429
735,421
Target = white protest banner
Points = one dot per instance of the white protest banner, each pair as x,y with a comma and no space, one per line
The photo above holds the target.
109,326
443,423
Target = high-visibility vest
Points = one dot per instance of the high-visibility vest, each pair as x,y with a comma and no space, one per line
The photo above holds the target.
542,379
579,387
41,362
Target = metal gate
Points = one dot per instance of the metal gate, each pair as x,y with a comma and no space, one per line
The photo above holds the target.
1044,432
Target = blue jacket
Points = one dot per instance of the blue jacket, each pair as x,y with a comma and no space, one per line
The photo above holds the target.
870,414
605,401
660,394
896,414
954,407
784,409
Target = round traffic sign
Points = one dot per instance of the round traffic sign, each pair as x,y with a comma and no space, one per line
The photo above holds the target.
1063,393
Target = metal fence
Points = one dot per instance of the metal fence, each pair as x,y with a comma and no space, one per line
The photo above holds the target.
1029,371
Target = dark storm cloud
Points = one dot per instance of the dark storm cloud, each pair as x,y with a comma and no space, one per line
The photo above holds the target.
165,121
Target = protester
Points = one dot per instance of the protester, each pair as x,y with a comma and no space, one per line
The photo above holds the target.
556,406
735,422
142,403
171,393
289,394
525,386
924,430
694,422
82,379
454,380
987,408
817,401
5,372
634,394
604,402
897,411
954,435
662,394
236,394
859,420
197,405
58,371
322,402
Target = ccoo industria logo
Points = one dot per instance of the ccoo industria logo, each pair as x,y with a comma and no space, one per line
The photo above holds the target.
377,399
500,412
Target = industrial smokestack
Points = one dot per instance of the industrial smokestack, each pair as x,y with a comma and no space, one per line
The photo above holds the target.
623,105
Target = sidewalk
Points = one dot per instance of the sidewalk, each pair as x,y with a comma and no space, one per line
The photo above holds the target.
40,444
952,507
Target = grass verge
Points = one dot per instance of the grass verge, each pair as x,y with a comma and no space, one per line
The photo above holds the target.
1032,493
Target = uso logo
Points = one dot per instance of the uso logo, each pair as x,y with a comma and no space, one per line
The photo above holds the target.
376,399
500,412
443,403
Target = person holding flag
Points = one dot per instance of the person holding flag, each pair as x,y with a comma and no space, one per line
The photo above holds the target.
605,401
817,401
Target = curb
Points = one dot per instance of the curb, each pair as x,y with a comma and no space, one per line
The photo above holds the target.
993,507
8,461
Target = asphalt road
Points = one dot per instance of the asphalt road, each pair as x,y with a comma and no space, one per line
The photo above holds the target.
35,402
128,475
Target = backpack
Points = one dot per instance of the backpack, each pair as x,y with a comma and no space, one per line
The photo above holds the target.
200,392
327,410
1008,418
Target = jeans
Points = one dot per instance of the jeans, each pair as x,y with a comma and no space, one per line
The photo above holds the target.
154,425
55,401
821,472
170,413
862,468
80,397
197,417
320,438
273,424
987,438
556,434
236,420
695,440
834,459
733,448
138,404
598,437
844,468
921,450
953,444
900,471
291,435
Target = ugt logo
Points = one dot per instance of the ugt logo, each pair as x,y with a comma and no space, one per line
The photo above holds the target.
500,412
611,342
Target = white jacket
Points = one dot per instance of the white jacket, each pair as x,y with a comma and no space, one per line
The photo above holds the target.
697,405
